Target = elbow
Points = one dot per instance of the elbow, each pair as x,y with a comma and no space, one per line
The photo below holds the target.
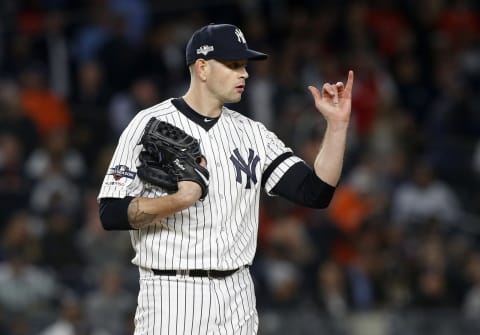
321,202
319,195
107,223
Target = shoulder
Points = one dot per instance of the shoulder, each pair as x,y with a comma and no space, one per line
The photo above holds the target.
241,119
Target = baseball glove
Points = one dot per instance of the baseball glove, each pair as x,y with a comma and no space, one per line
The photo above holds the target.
169,156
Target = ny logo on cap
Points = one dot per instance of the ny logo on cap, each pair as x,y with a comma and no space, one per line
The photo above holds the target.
240,36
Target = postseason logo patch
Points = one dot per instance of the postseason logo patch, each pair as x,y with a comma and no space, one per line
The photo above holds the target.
120,171
204,49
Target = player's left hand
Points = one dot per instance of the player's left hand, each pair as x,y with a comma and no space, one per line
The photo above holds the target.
334,101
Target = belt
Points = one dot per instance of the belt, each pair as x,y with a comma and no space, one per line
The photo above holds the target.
197,273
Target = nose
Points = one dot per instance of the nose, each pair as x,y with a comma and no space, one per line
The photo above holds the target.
244,72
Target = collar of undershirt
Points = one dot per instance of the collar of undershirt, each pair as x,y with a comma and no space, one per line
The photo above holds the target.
204,122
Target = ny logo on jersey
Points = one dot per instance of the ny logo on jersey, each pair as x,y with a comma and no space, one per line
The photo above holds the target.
247,167
240,36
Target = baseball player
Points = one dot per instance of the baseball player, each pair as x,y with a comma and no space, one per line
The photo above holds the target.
193,254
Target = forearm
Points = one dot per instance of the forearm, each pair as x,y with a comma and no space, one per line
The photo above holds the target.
143,212
136,213
329,161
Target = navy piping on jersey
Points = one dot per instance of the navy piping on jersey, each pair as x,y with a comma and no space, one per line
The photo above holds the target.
273,165
203,121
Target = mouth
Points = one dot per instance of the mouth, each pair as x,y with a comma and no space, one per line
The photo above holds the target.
240,88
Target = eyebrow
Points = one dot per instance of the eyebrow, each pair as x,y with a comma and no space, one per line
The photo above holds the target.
237,63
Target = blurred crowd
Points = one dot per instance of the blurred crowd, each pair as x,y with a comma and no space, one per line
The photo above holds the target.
401,234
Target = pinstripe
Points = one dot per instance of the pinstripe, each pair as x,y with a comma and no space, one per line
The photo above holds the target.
192,314
244,310
161,305
178,311
230,297
235,300
221,313
209,323
223,180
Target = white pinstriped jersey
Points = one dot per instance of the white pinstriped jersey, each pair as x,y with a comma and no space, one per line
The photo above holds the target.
221,231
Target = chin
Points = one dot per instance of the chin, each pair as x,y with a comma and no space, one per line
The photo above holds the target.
234,100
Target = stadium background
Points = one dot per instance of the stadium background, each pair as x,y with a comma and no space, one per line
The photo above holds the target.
397,252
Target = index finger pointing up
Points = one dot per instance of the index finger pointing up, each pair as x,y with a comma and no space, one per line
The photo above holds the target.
349,86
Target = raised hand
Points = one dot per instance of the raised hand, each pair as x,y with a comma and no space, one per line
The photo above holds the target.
334,101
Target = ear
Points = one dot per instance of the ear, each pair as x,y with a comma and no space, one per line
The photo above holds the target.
200,67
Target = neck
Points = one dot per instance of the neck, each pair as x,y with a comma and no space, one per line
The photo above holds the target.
203,104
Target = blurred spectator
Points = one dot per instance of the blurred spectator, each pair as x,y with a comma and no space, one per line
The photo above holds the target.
110,304
373,86
332,294
365,270
359,203
20,232
89,104
388,23
142,94
360,198
92,34
396,253
414,91
71,320
18,54
26,288
55,168
14,187
52,49
136,14
61,254
152,57
56,155
48,110
433,284
431,290
261,93
117,56
53,193
459,24
98,247
283,281
13,119
423,198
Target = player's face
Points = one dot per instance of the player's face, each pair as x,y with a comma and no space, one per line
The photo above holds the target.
226,79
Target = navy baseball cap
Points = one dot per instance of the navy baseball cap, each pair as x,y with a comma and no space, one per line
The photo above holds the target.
220,41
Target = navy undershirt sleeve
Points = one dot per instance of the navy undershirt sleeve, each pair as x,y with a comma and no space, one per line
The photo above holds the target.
113,213
301,185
